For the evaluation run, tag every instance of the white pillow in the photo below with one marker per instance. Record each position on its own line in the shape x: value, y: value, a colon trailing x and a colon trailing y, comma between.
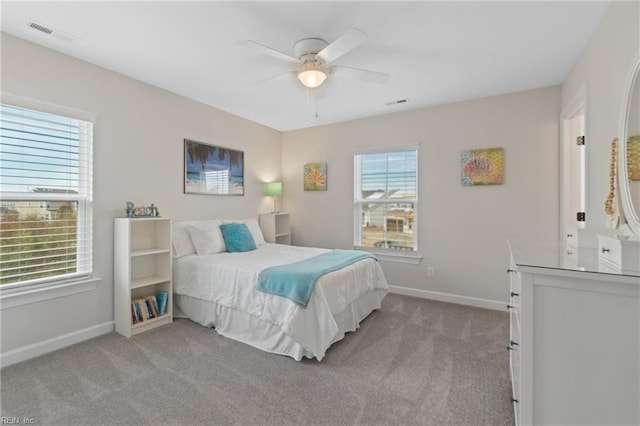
x: 181, y: 240
x: 206, y: 236
x: 254, y: 227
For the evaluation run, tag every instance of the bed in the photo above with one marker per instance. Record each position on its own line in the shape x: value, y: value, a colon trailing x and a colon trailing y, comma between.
x: 216, y: 288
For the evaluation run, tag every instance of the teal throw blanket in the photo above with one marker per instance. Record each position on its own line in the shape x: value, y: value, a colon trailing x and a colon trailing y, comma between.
x: 296, y: 281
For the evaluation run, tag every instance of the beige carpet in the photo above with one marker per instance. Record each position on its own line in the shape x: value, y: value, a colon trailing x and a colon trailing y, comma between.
x: 413, y: 362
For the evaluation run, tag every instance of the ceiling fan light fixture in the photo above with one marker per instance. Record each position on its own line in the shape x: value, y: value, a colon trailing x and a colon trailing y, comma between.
x: 312, y: 76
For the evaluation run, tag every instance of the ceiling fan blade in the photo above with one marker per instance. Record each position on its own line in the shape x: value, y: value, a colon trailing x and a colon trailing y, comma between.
x: 275, y: 78
x: 359, y: 74
x: 344, y: 44
x: 269, y: 51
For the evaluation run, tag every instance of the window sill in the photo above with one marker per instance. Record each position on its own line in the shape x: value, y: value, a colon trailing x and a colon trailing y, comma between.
x: 410, y: 258
x: 12, y: 298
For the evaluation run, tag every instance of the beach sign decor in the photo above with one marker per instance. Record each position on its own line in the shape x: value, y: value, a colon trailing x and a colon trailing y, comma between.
x: 212, y: 169
x: 482, y: 166
x: 315, y: 177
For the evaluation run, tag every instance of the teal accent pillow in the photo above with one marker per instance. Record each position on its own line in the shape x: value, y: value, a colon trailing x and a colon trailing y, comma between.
x: 237, y: 237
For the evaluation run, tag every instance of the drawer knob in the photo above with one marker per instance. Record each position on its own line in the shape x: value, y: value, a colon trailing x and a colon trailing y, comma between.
x: 514, y: 343
x: 605, y: 250
x: 509, y: 306
x: 514, y: 400
x: 510, y: 270
x: 513, y: 294
x: 569, y: 235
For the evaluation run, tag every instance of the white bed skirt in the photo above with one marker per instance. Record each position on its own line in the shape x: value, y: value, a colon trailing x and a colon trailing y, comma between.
x: 269, y: 337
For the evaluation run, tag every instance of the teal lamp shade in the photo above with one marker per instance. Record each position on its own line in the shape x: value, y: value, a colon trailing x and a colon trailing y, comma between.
x: 273, y: 189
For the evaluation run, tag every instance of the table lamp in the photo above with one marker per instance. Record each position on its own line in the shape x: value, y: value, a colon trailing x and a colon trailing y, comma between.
x: 273, y: 189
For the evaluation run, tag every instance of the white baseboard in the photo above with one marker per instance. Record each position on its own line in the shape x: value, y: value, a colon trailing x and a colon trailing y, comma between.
x: 448, y: 297
x: 50, y: 345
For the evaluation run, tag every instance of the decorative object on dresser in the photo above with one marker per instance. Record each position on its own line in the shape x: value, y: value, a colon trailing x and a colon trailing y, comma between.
x: 212, y: 170
x: 315, y: 177
x: 482, y: 166
x: 633, y: 157
x: 132, y: 211
x: 629, y: 152
x: 620, y: 252
x: 276, y: 227
x: 142, y: 274
x: 609, y: 208
x: 575, y: 337
x: 273, y: 189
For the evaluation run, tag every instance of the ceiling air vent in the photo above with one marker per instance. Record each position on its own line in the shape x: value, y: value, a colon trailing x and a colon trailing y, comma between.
x: 398, y: 102
x: 39, y: 27
x: 45, y: 29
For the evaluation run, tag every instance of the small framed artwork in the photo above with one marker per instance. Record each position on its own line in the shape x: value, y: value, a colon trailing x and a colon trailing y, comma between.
x: 212, y: 170
x: 482, y: 166
x: 315, y: 177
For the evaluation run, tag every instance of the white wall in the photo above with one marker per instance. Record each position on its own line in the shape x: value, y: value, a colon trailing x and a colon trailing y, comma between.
x: 603, y: 67
x: 138, y: 156
x: 462, y: 230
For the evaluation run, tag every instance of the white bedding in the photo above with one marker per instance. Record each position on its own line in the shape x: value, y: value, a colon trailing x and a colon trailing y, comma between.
x: 228, y: 282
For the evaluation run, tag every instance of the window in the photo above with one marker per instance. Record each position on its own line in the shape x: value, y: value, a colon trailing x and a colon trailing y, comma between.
x: 386, y: 197
x: 46, y: 190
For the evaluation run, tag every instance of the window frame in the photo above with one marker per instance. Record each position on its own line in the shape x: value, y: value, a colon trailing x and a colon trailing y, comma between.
x: 85, y: 220
x: 404, y: 256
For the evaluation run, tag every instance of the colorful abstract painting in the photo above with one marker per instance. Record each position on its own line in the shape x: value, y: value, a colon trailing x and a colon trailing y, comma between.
x: 633, y: 157
x: 482, y: 166
x: 315, y: 177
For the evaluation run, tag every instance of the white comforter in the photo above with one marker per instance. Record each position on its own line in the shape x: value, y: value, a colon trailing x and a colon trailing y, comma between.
x: 229, y: 279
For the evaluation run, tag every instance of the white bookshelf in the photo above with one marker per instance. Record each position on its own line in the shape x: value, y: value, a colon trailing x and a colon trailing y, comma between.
x: 276, y: 228
x: 142, y: 267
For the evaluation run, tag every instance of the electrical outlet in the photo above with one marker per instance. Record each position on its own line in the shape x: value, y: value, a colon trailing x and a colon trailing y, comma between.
x: 431, y: 271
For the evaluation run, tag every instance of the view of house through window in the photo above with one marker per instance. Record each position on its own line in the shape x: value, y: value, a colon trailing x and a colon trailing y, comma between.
x: 45, y: 188
x: 385, y: 200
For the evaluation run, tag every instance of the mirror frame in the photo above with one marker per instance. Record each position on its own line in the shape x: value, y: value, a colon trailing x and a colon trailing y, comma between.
x: 624, y: 191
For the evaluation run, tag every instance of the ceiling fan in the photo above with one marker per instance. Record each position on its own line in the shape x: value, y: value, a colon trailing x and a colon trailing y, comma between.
x: 314, y: 57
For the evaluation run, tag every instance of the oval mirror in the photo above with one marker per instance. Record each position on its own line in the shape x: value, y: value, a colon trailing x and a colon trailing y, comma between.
x: 629, y: 151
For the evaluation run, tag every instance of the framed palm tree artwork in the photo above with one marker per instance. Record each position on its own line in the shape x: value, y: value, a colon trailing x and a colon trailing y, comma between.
x: 212, y: 170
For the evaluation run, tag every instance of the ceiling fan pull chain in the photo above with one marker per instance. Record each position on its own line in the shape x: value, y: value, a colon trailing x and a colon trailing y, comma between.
x: 307, y: 109
x: 316, y: 100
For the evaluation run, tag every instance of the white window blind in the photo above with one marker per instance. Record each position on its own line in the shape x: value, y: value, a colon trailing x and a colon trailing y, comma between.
x: 386, y: 197
x: 46, y: 197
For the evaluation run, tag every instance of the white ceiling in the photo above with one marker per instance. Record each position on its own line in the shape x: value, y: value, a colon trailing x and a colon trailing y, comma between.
x: 436, y: 52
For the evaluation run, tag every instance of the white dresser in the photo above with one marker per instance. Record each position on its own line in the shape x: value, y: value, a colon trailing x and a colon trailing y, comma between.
x: 575, y: 337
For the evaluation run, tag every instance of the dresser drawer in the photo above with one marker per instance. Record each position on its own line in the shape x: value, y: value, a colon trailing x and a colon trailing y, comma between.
x: 514, y: 366
x: 571, y: 236
x: 609, y: 250
x: 514, y: 330
x: 572, y: 255
x: 619, y: 253
x: 581, y: 237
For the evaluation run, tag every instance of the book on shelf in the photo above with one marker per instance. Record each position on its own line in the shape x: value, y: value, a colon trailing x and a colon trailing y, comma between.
x: 144, y: 308
x: 136, y: 313
x: 152, y: 305
x: 147, y: 305
x: 134, y: 316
